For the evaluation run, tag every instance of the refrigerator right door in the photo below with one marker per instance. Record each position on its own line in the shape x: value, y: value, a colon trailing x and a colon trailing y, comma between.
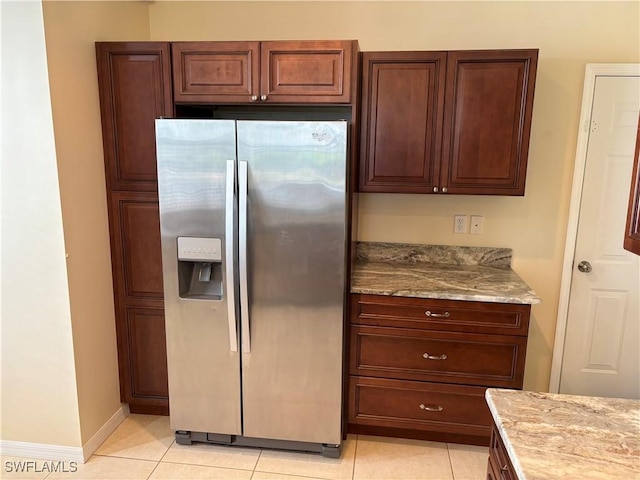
x: 292, y: 277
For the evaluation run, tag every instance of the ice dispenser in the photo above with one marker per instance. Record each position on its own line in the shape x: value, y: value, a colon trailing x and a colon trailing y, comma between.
x: 200, y: 268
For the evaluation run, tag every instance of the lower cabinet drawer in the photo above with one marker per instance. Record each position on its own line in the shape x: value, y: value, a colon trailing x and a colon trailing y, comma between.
x: 409, y: 354
x: 418, y: 406
x: 434, y: 314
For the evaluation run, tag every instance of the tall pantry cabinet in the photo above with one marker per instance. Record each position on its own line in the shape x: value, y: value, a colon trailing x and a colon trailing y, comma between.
x: 134, y: 82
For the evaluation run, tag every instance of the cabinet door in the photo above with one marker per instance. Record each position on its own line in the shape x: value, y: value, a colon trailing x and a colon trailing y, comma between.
x: 488, y: 103
x: 134, y: 80
x: 216, y: 72
x: 135, y: 245
x: 402, y: 103
x: 306, y: 71
x: 137, y: 277
x: 632, y: 233
x: 146, y: 360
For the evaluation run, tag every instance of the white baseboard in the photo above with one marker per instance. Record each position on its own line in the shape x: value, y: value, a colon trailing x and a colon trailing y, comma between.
x: 45, y: 451
x: 105, y: 431
x: 42, y: 451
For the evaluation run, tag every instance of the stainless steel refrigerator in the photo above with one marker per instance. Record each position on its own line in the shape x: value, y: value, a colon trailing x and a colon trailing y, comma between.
x: 253, y: 219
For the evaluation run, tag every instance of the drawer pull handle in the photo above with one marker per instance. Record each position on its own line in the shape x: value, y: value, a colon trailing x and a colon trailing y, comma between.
x: 505, y: 468
x: 433, y: 357
x: 429, y: 313
x: 431, y: 409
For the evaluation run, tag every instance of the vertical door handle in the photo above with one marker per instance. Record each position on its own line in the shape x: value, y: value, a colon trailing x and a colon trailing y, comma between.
x: 229, y: 240
x: 242, y: 240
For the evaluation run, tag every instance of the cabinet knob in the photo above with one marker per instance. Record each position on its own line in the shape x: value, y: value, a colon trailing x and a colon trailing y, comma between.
x: 444, y: 189
x: 254, y: 98
x: 263, y: 98
x: 435, y: 189
x: 436, y: 408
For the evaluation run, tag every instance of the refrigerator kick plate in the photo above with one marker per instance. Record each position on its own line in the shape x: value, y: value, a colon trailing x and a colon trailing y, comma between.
x: 187, y: 438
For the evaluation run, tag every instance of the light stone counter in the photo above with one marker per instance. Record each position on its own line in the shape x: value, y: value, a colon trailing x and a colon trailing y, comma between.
x: 566, y: 437
x: 439, y: 271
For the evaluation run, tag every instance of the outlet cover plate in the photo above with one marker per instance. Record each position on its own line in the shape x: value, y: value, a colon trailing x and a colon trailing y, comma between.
x: 459, y: 224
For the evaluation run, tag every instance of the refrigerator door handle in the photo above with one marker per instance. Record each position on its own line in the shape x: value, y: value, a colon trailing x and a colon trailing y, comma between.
x: 229, y: 247
x: 242, y: 239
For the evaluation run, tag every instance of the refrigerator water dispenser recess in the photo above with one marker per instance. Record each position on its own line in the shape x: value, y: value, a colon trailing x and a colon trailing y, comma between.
x: 200, y: 268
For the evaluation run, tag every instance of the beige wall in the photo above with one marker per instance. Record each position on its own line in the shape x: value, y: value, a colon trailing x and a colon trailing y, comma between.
x: 71, y: 29
x: 39, y: 402
x: 568, y: 34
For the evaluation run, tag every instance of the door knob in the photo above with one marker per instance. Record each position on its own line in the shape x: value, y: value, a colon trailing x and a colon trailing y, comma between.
x: 585, y: 267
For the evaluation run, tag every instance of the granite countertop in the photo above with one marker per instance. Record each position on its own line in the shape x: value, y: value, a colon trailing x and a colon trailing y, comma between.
x: 439, y: 271
x: 555, y: 436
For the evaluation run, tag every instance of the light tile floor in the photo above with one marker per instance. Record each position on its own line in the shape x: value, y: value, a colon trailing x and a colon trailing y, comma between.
x: 143, y: 447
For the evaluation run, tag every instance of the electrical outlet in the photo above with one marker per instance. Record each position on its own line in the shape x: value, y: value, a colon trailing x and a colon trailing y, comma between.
x: 476, y: 225
x: 459, y: 224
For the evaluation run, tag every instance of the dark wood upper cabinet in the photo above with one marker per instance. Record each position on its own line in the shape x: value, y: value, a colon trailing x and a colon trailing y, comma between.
x: 446, y: 122
x: 632, y: 232
x: 134, y: 81
x: 216, y: 72
x: 402, y: 101
x: 489, y: 100
x: 293, y: 72
x: 306, y: 72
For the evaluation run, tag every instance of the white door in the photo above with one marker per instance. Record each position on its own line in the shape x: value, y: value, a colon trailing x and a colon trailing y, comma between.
x: 602, y: 341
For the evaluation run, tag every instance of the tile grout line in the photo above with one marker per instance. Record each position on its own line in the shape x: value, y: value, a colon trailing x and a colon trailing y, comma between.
x: 453, y: 475
x: 355, y: 456
x: 120, y: 456
x: 163, y: 455
x: 152, y: 471
x: 256, y: 465
x: 235, y: 469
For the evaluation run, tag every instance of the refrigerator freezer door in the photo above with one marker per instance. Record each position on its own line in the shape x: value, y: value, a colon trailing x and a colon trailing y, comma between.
x: 296, y: 220
x: 195, y: 160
